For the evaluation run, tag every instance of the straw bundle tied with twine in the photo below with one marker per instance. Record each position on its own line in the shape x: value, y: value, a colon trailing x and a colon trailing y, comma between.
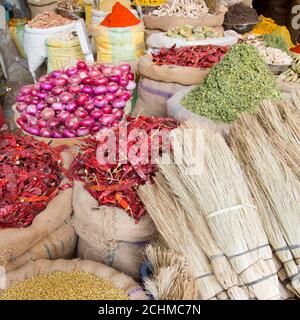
x: 221, y: 266
x: 272, y: 117
x: 169, y: 218
x: 275, y: 189
x: 171, y: 278
x: 222, y: 195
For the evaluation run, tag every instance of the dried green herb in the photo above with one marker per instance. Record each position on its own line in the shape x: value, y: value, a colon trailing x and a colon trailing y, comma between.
x: 275, y: 41
x: 238, y: 83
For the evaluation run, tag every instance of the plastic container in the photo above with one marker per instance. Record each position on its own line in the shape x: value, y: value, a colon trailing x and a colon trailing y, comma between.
x: 16, y: 29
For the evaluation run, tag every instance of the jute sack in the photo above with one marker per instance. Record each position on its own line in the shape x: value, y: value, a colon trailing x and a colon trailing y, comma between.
x: 40, y: 267
x: 111, y: 232
x: 165, y: 23
x: 177, y: 111
x: 15, y: 242
x: 59, y: 244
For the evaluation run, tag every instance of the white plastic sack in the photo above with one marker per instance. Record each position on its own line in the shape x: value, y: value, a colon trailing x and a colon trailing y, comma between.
x: 161, y: 40
x: 35, y: 44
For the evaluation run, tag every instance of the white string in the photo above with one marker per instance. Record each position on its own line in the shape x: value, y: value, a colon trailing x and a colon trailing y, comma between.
x: 230, y: 209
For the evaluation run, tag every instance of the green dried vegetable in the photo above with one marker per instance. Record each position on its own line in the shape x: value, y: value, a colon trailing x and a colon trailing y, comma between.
x: 275, y: 41
x: 238, y: 83
x: 191, y: 33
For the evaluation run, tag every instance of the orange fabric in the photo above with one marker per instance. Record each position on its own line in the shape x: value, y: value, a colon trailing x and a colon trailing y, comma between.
x: 120, y: 17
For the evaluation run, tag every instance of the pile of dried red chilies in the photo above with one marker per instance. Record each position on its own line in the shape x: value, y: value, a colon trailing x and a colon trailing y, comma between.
x: 30, y: 174
x: 192, y: 56
x: 114, y: 183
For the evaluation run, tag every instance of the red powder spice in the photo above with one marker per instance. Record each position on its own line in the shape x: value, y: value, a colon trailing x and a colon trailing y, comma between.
x: 296, y: 49
x: 120, y: 17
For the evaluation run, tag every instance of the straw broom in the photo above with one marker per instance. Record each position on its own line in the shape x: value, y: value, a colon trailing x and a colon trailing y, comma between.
x: 280, y: 134
x: 275, y: 189
x: 222, y: 268
x: 171, y: 278
x: 169, y: 218
x: 222, y: 194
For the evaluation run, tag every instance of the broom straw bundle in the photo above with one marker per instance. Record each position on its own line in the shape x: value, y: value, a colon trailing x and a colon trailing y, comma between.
x: 280, y: 134
x: 275, y: 189
x: 171, y: 278
x: 222, y: 194
x: 169, y: 218
x: 222, y: 268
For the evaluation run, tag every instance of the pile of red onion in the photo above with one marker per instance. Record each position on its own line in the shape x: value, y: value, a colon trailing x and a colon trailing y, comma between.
x: 75, y: 102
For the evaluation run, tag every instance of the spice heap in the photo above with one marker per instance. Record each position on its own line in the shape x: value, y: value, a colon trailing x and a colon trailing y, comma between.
x: 275, y: 41
x: 296, y: 49
x: 74, y: 285
x: 30, y: 174
x: 240, y: 14
x: 48, y: 20
x: 120, y: 17
x: 265, y: 26
x: 192, y: 56
x: 182, y: 8
x: 238, y: 83
x: 113, y: 182
x: 75, y: 102
x: 191, y: 33
x: 275, y: 56
x: 71, y: 5
x: 293, y: 73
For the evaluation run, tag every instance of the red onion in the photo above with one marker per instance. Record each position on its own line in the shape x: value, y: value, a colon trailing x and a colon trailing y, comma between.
x: 46, y: 133
x: 83, y: 74
x: 57, y: 134
x: 81, y: 113
x: 42, y: 95
x: 47, y: 86
x: 31, y: 109
x: 118, y: 103
x: 65, y: 97
x: 81, y: 65
x: 124, y: 82
x: 107, y: 119
x: 74, y: 80
x: 63, y: 115
x: 130, y: 76
x: 42, y: 123
x: 109, y: 97
x: 37, y: 86
x: 51, y: 99
x: 117, y: 72
x: 87, y: 89
x: 27, y: 99
x: 82, y: 131
x: 20, y: 122
x: 35, y: 131
x: 87, y: 81
x: 21, y: 106
x: 26, y: 89
x: 112, y: 87
x: 41, y: 106
x: 57, y: 106
x: 99, y: 101
x: 131, y: 85
x: 89, y: 106
x: 47, y: 114
x: 87, y: 122
x: 25, y: 116
x: 69, y: 133
x: 96, y: 128
x: 125, y: 96
x: 105, y: 70
x: 119, y: 92
x: 57, y: 91
x: 32, y: 121
x: 115, y: 124
x: 94, y: 74
x: 125, y: 68
x: 20, y: 98
x: 53, y: 123
x: 55, y: 73
x: 96, y: 114
x: 82, y: 98
x: 43, y: 78
x: 71, y: 106
x: 74, y: 88
x: 100, y: 90
x: 60, y: 82
x: 107, y: 110
x: 101, y: 82
x: 72, y: 123
x: 35, y: 100
x: 114, y: 78
x: 33, y: 92
x: 71, y: 71
x: 118, y: 114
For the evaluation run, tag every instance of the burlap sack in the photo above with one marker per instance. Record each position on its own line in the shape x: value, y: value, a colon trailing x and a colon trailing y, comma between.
x: 186, y: 76
x: 15, y: 242
x: 165, y: 23
x: 178, y: 112
x: 59, y: 244
x: 109, y: 230
x: 288, y: 86
x: 40, y: 267
x: 153, y: 96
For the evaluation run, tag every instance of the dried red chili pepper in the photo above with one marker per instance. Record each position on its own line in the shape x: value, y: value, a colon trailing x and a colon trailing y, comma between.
x: 191, y: 56
x: 30, y: 174
x: 114, y: 184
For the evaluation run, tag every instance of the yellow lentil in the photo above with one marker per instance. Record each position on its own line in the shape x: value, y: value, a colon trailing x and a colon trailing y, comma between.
x: 265, y: 26
x: 74, y: 285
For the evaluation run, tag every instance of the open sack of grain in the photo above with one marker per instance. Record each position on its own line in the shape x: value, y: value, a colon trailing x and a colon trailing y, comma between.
x: 68, y: 280
x: 36, y: 216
